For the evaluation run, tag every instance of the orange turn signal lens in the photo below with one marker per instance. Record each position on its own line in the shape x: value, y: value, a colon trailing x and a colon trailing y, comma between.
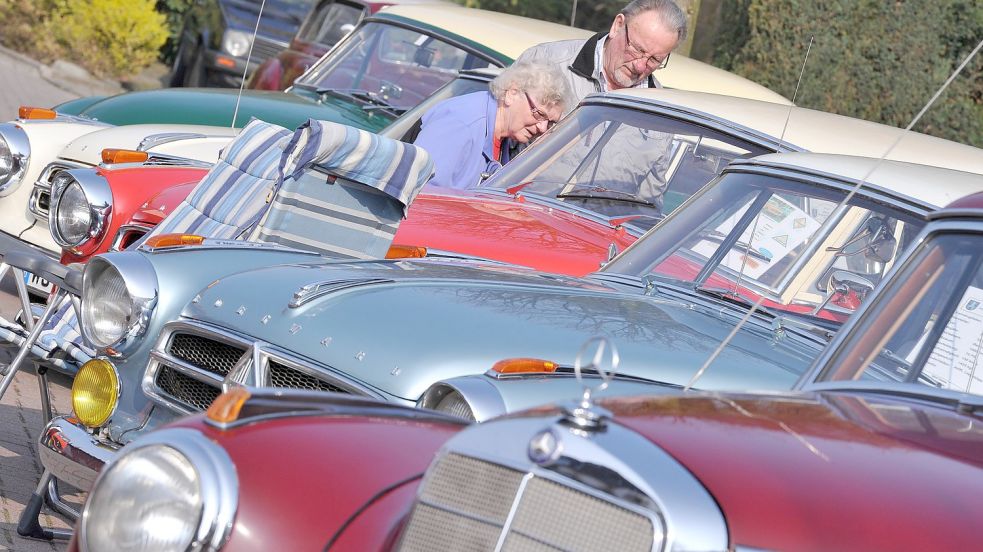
x: 225, y: 409
x: 174, y: 240
x: 225, y: 62
x: 111, y: 156
x: 524, y: 366
x: 28, y: 112
x: 406, y: 252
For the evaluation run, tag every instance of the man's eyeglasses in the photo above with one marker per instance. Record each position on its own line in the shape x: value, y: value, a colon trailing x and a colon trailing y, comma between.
x: 539, y: 114
x: 635, y: 53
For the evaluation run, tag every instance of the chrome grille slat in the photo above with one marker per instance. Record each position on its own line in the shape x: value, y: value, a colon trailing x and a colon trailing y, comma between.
x: 464, y: 505
x: 263, y: 49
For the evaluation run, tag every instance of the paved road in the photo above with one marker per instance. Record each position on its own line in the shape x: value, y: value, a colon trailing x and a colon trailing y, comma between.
x: 24, y: 85
x: 20, y: 413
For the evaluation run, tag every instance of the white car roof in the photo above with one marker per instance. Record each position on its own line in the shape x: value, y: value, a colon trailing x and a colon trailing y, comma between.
x: 933, y: 185
x: 823, y: 132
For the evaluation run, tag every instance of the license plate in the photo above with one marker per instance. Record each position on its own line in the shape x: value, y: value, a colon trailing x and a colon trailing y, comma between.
x: 37, y: 284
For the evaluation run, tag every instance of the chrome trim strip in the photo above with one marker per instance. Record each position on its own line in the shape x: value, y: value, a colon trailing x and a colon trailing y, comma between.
x: 72, y: 454
x: 219, y: 484
x: 20, y: 149
x: 310, y: 292
x: 166, y: 138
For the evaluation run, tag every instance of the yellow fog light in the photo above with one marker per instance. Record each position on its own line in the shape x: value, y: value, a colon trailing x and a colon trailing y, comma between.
x: 95, y: 392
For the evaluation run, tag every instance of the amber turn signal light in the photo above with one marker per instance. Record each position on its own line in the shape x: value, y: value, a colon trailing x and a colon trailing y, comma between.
x: 111, y: 156
x: 173, y: 240
x: 225, y: 409
x: 406, y: 252
x: 28, y: 112
x: 524, y: 366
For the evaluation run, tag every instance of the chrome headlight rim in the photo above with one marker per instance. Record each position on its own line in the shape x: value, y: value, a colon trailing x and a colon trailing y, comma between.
x: 20, y: 149
x: 217, y: 478
x: 483, y: 400
x: 236, y: 43
x: 140, y: 280
x: 99, y: 196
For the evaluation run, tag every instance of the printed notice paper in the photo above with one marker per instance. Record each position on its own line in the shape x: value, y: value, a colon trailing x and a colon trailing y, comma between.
x: 953, y: 364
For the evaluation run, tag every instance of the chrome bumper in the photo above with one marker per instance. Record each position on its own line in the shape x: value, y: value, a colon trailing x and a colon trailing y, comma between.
x: 72, y: 454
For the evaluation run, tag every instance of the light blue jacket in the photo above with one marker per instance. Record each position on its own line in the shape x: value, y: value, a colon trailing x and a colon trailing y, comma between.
x: 458, y: 135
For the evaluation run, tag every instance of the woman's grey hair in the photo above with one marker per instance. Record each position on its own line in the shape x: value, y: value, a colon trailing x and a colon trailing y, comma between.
x: 672, y: 15
x: 546, y: 84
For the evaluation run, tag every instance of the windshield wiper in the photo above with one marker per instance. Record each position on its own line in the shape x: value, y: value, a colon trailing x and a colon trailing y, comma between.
x: 731, y: 297
x: 588, y: 192
x: 371, y: 98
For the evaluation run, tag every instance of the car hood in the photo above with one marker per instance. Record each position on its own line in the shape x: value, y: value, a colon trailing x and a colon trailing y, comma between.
x: 163, y: 203
x: 401, y: 326
x: 204, y: 142
x: 215, y: 107
x: 828, y: 471
x: 509, y: 229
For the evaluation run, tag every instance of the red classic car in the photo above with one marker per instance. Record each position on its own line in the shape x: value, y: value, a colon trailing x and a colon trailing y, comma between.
x: 880, y: 447
x: 574, y: 199
x: 325, y: 25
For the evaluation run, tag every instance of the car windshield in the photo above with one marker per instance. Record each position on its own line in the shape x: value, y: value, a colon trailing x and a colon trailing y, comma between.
x: 749, y: 235
x: 622, y: 162
x: 392, y: 64
x: 928, y: 329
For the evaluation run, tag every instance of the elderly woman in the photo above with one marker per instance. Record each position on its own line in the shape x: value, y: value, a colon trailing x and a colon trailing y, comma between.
x: 473, y: 134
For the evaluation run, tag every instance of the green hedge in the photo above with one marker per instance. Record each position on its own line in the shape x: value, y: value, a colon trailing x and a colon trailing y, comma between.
x: 871, y: 59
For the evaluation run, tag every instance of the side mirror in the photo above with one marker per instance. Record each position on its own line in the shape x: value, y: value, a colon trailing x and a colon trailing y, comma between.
x: 882, y: 245
x: 847, y: 285
x: 423, y: 57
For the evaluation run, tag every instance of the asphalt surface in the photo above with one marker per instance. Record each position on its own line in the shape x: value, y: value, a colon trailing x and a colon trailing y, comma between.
x: 20, y: 411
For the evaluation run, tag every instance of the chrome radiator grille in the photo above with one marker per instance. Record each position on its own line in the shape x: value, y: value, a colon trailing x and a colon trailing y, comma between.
x: 194, y: 363
x: 466, y: 503
x: 264, y: 49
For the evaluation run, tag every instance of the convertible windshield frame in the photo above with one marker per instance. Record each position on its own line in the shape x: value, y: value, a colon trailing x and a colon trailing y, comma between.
x: 665, y: 240
x: 860, y: 348
x: 450, y: 39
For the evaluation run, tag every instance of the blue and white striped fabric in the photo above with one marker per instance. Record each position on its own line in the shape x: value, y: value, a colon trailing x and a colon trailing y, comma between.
x: 236, y: 189
x: 344, y: 191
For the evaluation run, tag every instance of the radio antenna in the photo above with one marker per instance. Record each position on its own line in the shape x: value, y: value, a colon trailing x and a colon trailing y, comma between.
x: 245, y: 69
x: 795, y: 94
x: 723, y: 344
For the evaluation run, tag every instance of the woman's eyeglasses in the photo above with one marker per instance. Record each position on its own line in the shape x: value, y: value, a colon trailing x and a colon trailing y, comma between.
x: 539, y: 114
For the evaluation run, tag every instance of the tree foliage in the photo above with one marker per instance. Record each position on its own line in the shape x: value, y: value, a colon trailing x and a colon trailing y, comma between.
x: 870, y: 59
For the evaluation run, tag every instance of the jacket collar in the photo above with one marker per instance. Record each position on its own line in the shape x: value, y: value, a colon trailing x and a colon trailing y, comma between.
x: 583, y: 64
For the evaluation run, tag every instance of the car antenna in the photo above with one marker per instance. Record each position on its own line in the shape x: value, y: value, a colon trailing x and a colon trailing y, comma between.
x: 713, y: 356
x: 795, y: 94
x: 245, y: 69
x: 781, y: 139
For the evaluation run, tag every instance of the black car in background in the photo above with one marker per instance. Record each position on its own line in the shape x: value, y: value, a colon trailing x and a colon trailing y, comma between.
x: 217, y: 34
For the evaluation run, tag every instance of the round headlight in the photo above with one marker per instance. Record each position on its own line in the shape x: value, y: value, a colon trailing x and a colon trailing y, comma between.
x: 454, y: 404
x: 95, y: 392
x: 149, y: 500
x: 106, y: 308
x: 7, y: 163
x: 236, y: 43
x: 119, y: 294
x: 73, y: 215
x: 172, y: 489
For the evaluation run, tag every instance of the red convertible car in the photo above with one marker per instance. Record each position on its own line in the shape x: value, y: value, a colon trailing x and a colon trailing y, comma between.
x: 879, y: 447
x: 575, y: 198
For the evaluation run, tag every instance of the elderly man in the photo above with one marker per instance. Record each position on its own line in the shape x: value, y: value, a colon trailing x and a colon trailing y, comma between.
x: 639, y: 42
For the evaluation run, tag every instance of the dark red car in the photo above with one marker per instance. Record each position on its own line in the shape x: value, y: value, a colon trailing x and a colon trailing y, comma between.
x: 880, y: 447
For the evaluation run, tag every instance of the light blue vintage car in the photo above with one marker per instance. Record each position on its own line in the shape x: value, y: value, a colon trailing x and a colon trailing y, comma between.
x: 179, y: 324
